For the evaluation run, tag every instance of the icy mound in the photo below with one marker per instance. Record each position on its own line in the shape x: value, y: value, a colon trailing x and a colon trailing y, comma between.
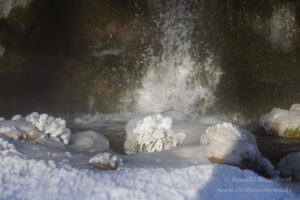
x: 89, y: 140
x: 106, y: 161
x: 290, y: 166
x: 282, y: 122
x: 229, y: 144
x: 150, y: 134
x: 54, y: 127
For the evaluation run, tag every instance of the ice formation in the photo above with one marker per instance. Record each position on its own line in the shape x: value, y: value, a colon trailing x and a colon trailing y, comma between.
x: 55, y: 127
x: 290, y: 166
x: 278, y: 121
x: 89, y: 140
x: 39, y: 128
x: 229, y: 144
x: 150, y: 134
x: 106, y: 161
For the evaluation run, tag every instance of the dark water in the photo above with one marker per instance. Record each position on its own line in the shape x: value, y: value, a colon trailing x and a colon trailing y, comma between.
x: 74, y: 56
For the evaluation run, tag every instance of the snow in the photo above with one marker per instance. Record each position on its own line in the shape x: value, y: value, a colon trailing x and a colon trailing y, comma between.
x: 23, y: 177
x: 57, y: 171
x: 290, y: 165
x: 229, y: 143
x: 150, y: 134
x: 279, y: 120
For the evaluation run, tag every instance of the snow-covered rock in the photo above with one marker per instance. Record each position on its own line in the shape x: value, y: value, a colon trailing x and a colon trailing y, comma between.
x: 89, y: 140
x: 282, y: 122
x: 150, y: 134
x: 229, y: 144
x: 290, y: 166
x: 106, y: 161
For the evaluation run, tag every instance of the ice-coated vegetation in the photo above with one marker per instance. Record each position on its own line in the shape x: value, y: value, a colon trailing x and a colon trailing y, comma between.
x: 89, y: 141
x: 55, y: 127
x: 290, y: 166
x: 150, y: 134
x: 282, y: 122
x: 39, y: 128
x: 229, y: 144
x: 106, y: 161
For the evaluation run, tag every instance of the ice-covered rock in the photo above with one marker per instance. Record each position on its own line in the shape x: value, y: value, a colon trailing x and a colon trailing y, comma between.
x: 230, y: 144
x: 266, y: 168
x: 12, y: 132
x: 150, y: 134
x: 282, y: 122
x: 290, y: 166
x: 106, y: 161
x: 54, y: 127
x: 89, y: 140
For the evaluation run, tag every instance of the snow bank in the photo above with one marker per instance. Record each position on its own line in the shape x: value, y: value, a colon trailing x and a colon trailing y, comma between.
x: 290, y: 166
x: 150, y: 134
x: 229, y: 144
x: 278, y: 121
x: 106, y: 161
x: 89, y: 140
x: 37, y: 179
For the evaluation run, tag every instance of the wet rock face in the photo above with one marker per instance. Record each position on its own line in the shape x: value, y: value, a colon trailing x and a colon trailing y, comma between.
x: 75, y: 55
x: 84, y: 55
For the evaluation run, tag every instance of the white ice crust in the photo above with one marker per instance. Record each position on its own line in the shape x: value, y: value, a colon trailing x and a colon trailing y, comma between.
x: 229, y: 143
x: 279, y: 120
x: 150, y: 134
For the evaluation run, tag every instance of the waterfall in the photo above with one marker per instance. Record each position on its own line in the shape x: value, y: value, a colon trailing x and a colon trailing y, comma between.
x: 175, y: 79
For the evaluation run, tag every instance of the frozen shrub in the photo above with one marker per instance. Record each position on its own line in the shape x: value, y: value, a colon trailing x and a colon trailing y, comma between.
x: 106, y: 161
x: 229, y: 144
x: 54, y: 127
x: 150, y: 134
